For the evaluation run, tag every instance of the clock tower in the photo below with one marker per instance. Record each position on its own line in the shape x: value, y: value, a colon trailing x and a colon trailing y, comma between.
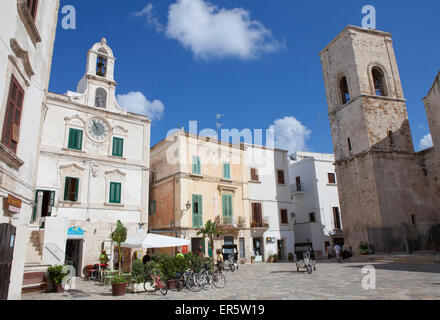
x: 97, y: 87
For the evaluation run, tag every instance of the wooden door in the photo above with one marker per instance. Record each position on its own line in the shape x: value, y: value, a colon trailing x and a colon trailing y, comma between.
x: 7, y: 243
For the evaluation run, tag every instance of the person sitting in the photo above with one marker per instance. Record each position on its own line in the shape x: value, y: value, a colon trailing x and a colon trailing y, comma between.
x: 220, y: 262
x: 146, y: 259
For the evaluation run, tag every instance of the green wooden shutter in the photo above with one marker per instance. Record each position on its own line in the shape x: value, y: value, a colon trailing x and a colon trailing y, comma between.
x: 75, y: 139
x: 115, y: 192
x: 226, y: 170
x: 66, y: 189
x: 227, y: 208
x: 196, y: 166
x: 118, y: 147
x: 197, y: 211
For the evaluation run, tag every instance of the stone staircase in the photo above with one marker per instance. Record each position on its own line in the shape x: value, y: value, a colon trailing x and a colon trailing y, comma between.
x: 34, y: 277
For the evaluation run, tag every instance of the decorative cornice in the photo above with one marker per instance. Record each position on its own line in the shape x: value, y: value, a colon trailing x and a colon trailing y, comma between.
x: 74, y: 165
x: 117, y: 171
x: 28, y: 21
x: 8, y: 157
x: 23, y: 55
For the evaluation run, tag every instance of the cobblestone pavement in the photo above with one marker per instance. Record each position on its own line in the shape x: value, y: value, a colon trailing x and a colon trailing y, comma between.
x: 281, y: 281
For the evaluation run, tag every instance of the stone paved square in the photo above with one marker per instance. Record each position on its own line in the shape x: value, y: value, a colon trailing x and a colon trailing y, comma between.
x: 281, y: 281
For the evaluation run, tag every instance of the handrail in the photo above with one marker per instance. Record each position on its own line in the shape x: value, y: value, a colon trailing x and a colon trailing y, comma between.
x: 54, y: 246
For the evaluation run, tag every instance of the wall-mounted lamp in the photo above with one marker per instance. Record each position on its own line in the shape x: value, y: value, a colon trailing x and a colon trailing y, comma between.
x: 187, y: 207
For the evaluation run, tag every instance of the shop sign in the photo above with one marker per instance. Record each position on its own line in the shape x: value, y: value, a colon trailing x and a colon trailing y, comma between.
x: 75, y: 233
x: 12, y: 204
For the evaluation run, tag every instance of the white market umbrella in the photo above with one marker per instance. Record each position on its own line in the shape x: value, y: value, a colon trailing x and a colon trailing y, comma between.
x: 151, y: 240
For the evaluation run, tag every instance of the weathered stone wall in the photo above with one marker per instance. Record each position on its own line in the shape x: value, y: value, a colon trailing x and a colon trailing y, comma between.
x: 432, y: 106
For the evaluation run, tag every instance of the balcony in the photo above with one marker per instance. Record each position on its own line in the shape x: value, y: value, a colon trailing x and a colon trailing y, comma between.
x: 297, y: 188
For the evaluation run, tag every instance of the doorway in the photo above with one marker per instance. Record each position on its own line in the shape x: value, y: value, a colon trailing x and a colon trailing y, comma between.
x: 7, y: 243
x: 281, y: 250
x: 197, y: 243
x: 74, y: 255
x: 44, y: 200
x: 258, y: 249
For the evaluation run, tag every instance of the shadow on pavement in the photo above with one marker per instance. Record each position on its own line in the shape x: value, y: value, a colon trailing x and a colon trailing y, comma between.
x: 396, y: 266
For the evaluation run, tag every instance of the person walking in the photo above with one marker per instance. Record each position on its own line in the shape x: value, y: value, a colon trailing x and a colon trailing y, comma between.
x: 329, y: 252
x: 338, y: 250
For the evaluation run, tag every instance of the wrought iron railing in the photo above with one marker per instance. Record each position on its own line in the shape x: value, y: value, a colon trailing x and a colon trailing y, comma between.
x: 297, y: 188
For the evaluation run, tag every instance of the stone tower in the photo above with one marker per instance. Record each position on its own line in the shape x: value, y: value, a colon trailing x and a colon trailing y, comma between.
x: 381, y: 179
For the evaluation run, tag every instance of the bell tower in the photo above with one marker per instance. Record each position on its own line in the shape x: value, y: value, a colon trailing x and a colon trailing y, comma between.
x: 370, y: 131
x: 98, y: 85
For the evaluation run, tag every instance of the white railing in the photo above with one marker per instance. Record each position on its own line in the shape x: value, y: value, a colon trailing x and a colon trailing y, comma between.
x: 56, y: 252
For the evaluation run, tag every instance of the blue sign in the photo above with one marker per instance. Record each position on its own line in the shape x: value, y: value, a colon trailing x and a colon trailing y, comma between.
x: 75, y: 232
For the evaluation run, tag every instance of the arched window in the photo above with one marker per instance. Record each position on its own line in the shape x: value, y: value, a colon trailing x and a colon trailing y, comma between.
x: 101, y: 98
x: 379, y: 81
x: 101, y: 66
x: 343, y: 88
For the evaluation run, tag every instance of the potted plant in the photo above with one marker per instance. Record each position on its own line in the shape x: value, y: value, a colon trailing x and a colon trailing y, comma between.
x: 119, y: 284
x: 291, y: 257
x: 253, y: 259
x: 364, y: 248
x: 57, y: 275
x: 270, y: 258
x: 275, y: 258
x: 137, y: 276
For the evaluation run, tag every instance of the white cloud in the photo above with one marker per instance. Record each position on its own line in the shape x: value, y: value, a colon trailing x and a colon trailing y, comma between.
x: 210, y: 32
x: 289, y: 134
x: 136, y: 102
x: 152, y: 19
x: 426, y: 142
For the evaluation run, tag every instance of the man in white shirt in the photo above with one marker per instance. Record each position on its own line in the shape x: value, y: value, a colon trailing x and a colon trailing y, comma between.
x: 338, y: 250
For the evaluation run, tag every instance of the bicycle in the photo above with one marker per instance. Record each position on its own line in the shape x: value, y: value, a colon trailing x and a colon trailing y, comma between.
x: 205, y: 278
x: 157, y: 284
x: 188, y: 280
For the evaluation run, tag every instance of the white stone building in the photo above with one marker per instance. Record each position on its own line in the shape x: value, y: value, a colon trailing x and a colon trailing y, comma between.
x: 315, y: 201
x: 93, y: 169
x: 27, y: 35
x: 269, y: 203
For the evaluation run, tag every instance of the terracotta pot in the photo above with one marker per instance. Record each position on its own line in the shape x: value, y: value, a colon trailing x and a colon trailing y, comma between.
x: 119, y: 289
x: 172, y: 284
x: 58, y: 288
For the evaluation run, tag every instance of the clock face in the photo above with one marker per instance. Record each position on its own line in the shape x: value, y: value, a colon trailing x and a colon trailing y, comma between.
x: 98, y: 129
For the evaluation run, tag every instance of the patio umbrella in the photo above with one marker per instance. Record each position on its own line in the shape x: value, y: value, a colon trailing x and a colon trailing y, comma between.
x: 151, y: 240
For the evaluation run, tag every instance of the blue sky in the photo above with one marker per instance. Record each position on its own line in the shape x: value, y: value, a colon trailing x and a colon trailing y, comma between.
x: 277, y: 74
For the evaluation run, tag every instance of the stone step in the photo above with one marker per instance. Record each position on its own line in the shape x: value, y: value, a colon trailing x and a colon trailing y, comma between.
x: 34, y: 281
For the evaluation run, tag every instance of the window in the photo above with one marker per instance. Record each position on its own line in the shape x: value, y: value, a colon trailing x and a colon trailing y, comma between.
x: 33, y: 6
x: 196, y: 166
x: 257, y: 216
x: 75, y: 139
x: 115, y: 192
x: 280, y: 174
x: 378, y: 81
x: 254, y: 175
x: 391, y: 138
x: 101, y: 66
x: 349, y: 145
x: 118, y: 147
x: 331, y: 178
x: 197, y: 211
x: 312, y: 217
x: 227, y: 171
x: 11, y: 126
x: 284, y: 219
x: 242, y: 249
x: 152, y: 208
x: 343, y: 87
x: 337, y: 218
x: 227, y: 209
x: 71, y: 187
x: 100, y: 98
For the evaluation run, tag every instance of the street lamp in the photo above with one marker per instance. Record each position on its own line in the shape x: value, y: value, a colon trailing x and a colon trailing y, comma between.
x: 187, y: 207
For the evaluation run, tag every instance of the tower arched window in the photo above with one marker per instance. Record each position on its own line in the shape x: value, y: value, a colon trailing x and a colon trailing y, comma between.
x: 379, y: 81
x: 101, y: 98
x: 101, y: 66
x: 343, y: 88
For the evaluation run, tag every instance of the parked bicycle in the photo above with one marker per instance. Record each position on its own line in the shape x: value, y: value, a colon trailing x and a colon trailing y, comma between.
x: 156, y: 283
x: 188, y: 280
x: 205, y: 278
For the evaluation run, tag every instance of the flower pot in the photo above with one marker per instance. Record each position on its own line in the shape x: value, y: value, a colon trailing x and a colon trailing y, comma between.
x: 172, y: 284
x: 364, y: 253
x: 58, y: 288
x: 119, y: 289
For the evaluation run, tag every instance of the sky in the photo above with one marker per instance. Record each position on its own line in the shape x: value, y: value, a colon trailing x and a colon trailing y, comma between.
x: 255, y: 62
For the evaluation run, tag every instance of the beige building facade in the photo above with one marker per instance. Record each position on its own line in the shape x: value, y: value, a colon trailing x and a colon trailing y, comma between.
x: 382, y: 180
x: 196, y: 179
x: 27, y: 35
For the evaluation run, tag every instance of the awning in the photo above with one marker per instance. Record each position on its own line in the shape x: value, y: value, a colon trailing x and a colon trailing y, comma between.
x: 151, y: 240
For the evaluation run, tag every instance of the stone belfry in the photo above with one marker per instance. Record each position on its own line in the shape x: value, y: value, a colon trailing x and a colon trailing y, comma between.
x: 381, y: 179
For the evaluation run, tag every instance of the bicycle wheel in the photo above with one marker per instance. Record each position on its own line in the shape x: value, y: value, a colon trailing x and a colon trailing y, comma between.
x: 192, y: 284
x: 180, y: 285
x: 148, y: 286
x: 219, y: 280
x: 163, y: 287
